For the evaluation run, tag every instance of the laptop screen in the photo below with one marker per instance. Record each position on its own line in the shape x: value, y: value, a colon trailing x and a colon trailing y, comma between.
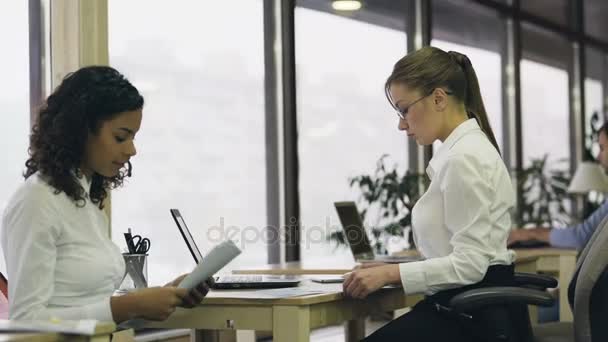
x: 353, y: 228
x: 181, y: 224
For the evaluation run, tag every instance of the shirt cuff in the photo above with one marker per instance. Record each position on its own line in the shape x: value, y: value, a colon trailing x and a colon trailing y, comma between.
x: 101, y: 311
x: 562, y: 238
x: 413, y: 277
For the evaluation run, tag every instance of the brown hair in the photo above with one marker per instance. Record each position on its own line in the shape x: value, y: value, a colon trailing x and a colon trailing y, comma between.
x: 430, y: 68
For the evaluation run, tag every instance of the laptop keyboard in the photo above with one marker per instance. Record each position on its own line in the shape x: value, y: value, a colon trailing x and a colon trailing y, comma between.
x: 241, y: 279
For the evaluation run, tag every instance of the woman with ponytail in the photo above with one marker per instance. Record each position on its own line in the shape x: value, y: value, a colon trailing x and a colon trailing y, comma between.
x: 60, y: 260
x: 462, y: 222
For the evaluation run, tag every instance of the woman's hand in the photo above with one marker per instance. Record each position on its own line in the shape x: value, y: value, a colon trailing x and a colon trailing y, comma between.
x: 154, y: 303
x: 525, y: 234
x: 195, y: 296
x: 361, y: 282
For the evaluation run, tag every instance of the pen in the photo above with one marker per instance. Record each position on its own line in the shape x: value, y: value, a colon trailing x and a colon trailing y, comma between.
x: 129, y: 240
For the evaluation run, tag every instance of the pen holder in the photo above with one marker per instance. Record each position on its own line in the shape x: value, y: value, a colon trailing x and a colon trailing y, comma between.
x: 136, y: 272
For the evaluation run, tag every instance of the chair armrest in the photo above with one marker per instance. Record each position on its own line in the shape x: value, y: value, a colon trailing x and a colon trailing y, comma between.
x: 479, y: 298
x: 538, y: 281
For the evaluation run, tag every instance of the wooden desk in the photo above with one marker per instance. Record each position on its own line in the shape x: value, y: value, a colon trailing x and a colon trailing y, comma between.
x: 103, y: 333
x: 523, y: 263
x: 289, y: 319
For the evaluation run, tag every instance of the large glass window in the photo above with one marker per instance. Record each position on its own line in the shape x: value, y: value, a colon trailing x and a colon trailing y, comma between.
x: 201, y: 147
x: 345, y: 122
x: 594, y: 103
x: 14, y: 99
x: 544, y: 95
x: 480, y: 41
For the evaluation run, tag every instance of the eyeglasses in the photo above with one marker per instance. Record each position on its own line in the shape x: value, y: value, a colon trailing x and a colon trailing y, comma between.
x: 401, y: 113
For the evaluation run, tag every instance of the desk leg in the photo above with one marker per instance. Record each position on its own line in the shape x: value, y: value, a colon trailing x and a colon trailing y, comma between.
x: 567, y: 266
x: 290, y: 323
x: 200, y: 335
x: 354, y: 330
x: 529, y: 267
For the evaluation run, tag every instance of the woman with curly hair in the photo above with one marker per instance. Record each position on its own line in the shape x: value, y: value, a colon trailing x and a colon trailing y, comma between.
x: 60, y: 260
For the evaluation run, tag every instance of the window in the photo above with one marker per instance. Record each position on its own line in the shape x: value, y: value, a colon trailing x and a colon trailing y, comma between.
x: 544, y: 96
x: 593, y: 97
x: 201, y: 147
x: 345, y: 122
x: 480, y: 41
x: 14, y: 99
x: 556, y: 11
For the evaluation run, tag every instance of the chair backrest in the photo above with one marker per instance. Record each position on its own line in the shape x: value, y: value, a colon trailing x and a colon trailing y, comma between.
x: 589, y: 288
x: 579, y: 261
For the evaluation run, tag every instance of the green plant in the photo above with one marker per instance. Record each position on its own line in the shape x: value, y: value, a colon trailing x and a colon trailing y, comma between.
x: 544, y: 196
x: 385, y: 202
x: 594, y: 199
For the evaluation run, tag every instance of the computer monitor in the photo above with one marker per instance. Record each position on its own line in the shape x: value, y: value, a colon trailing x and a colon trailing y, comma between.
x: 354, y: 230
x: 183, y: 228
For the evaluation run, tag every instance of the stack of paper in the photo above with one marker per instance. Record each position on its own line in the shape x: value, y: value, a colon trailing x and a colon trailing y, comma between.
x: 266, y: 293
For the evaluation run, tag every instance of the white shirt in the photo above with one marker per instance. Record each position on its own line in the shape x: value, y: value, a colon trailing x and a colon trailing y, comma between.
x: 60, y: 260
x: 462, y: 221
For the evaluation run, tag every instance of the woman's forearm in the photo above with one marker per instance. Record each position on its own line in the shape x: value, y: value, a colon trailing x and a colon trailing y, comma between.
x: 123, y: 308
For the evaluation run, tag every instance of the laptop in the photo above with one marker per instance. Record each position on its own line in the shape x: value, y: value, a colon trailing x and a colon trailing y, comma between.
x: 357, y: 239
x: 232, y: 281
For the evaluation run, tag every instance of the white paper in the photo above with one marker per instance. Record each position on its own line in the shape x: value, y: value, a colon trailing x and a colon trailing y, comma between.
x: 81, y: 327
x: 212, y: 263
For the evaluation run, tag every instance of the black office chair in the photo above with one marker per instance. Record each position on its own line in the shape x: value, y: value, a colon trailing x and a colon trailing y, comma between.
x: 587, y: 294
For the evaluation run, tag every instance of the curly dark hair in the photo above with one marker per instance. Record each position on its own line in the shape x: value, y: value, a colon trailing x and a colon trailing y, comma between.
x: 80, y: 104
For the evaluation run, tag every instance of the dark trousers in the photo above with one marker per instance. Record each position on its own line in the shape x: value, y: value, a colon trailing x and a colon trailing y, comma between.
x: 431, y: 319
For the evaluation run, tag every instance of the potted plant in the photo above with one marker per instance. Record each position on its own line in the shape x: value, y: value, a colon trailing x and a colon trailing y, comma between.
x: 385, y: 202
x: 544, y: 193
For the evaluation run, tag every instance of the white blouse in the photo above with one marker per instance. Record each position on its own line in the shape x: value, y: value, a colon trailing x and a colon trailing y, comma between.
x: 60, y: 260
x: 462, y: 221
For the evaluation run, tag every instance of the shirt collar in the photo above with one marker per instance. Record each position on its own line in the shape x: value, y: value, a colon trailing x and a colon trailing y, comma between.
x: 441, y: 154
x: 83, y: 181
